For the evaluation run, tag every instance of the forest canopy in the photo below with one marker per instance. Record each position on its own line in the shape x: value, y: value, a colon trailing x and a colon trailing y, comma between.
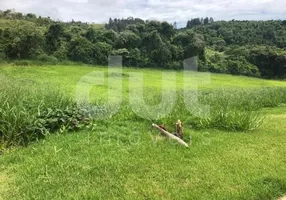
x: 251, y: 48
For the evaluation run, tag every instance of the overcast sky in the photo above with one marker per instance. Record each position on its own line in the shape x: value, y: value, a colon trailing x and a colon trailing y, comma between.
x: 99, y: 11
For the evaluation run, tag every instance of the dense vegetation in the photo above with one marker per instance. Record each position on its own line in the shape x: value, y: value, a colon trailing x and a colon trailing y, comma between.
x: 253, y: 48
x: 29, y: 112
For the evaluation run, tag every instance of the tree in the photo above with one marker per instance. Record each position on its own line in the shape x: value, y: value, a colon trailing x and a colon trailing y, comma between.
x: 22, y: 42
x: 91, y: 34
x: 206, y: 21
x: 108, y: 36
x: 195, y: 47
x: 53, y: 38
x: 128, y: 40
x: 167, y: 30
x: 101, y: 51
x: 152, y: 41
x: 161, y: 56
x: 81, y: 50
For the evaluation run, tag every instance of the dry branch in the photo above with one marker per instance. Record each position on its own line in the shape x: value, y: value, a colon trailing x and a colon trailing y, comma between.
x: 171, y: 136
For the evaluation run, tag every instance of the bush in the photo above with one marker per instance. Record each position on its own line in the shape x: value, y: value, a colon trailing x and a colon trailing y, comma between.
x: 61, y: 53
x: 215, y: 62
x: 29, y: 112
x: 239, y: 66
x: 81, y: 50
x: 22, y: 63
x: 3, y: 56
x: 48, y: 59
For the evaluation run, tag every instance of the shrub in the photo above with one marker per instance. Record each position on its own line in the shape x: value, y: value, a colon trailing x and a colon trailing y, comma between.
x: 22, y: 63
x: 3, y: 57
x: 240, y: 66
x: 48, y: 59
x: 28, y: 112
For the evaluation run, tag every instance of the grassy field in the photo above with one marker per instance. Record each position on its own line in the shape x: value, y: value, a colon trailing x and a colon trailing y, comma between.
x: 125, y: 158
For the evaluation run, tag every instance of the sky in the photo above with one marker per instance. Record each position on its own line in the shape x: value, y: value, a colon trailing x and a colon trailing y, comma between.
x: 99, y: 11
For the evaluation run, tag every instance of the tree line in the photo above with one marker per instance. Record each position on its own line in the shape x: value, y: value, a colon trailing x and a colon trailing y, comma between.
x: 252, y: 48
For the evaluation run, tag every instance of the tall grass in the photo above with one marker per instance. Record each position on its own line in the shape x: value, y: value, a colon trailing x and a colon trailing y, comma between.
x: 237, y: 109
x: 28, y: 111
x: 231, y: 109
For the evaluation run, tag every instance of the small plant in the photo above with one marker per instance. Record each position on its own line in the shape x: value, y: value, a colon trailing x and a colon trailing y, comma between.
x: 72, y: 118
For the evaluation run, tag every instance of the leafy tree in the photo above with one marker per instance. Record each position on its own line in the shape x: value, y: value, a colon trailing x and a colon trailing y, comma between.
x: 128, y: 40
x: 219, y: 44
x: 22, y: 42
x: 152, y: 41
x: 161, y: 56
x: 81, y: 50
x: 167, y: 30
x: 53, y: 37
x: 270, y: 61
x: 108, y: 36
x: 206, y: 21
x: 101, y: 51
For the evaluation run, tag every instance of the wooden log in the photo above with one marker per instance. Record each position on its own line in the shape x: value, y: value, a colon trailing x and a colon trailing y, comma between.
x: 171, y: 136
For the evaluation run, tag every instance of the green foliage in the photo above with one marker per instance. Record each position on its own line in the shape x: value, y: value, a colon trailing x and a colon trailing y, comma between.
x: 101, y: 51
x: 22, y: 42
x: 29, y: 112
x: 70, y: 119
x: 3, y: 56
x: 22, y: 63
x: 47, y: 59
x: 53, y: 37
x: 270, y: 61
x: 230, y: 109
x: 245, y: 32
x: 127, y: 39
x: 81, y: 50
x: 62, y: 53
x: 219, y: 44
x: 240, y: 66
x: 252, y: 48
x: 197, y: 21
x: 230, y: 63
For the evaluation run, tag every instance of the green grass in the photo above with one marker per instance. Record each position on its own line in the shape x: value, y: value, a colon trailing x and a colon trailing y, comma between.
x: 127, y: 159
x: 66, y: 77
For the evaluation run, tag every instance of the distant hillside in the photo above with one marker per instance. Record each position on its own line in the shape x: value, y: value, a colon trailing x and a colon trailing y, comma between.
x: 244, y: 33
x: 251, y: 48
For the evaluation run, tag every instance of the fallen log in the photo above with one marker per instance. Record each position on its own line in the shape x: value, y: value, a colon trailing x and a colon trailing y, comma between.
x: 169, y: 135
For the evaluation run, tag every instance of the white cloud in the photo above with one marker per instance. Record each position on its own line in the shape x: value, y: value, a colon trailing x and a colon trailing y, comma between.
x: 171, y: 10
